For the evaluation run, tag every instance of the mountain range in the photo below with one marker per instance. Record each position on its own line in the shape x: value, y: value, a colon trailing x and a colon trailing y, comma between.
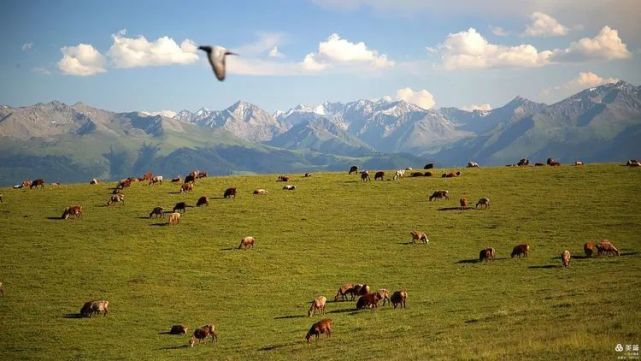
x: 78, y: 142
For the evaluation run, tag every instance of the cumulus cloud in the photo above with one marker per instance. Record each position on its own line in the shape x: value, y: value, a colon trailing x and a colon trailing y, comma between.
x: 470, y: 50
x: 582, y: 81
x: 421, y: 98
x: 544, y: 25
x: 81, y: 60
x: 27, y: 46
x: 274, y: 53
x: 337, y: 51
x: 480, y: 107
x: 139, y: 52
x: 605, y: 45
x: 498, y: 31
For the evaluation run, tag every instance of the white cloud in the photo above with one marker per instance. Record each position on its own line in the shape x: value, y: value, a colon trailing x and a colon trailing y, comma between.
x: 481, y: 107
x: 544, y: 25
x: 139, y: 52
x: 470, y: 50
x: 583, y: 81
x: 81, y: 60
x: 421, y: 98
x: 498, y: 31
x: 274, y: 53
x: 605, y: 45
x: 27, y: 46
x: 264, y: 43
x: 336, y: 51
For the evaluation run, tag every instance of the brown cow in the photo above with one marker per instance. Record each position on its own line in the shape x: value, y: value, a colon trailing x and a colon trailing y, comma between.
x: 230, y: 192
x: 451, y: 175
x: 487, y: 254
x: 282, y: 178
x: 178, y: 330
x: 26, y: 183
x: 521, y: 250
x: 565, y: 258
x: 463, y: 203
x: 552, y: 162
x: 360, y: 289
x: 203, y: 332
x: 439, y: 195
x: 419, y: 236
x: 37, y: 183
x: 589, y: 248
x: 116, y: 198
x: 633, y: 163
x: 124, y: 183
x: 181, y: 206
x: 379, y: 176
x: 523, y: 162
x: 483, y: 203
x: 322, y: 326
x: 260, y: 191
x: 190, y: 178
x: 75, y: 211
x: 202, y: 201
x: 318, y: 304
x: 1, y: 289
x: 247, y: 242
x: 307, y: 175
x: 174, y: 219
x: 344, y: 290
x: 369, y: 300
x: 176, y: 180
x: 399, y: 298
x: 353, y: 169
x: 187, y: 187
x: 417, y: 174
x: 606, y: 247
x: 94, y: 307
x: 365, y: 176
x: 427, y: 174
x: 383, y: 294
x: 157, y: 211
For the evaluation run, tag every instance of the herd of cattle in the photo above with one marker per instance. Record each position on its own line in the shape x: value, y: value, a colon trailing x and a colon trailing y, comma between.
x: 366, y: 298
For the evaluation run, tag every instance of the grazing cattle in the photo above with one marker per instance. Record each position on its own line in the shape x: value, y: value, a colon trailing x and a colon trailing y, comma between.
x: 399, y: 298
x: 181, y: 206
x: 174, y: 219
x: 472, y: 164
x: 203, y: 332
x: 176, y: 180
x: 94, y: 307
x: 429, y: 166
x: 187, y: 187
x: 633, y: 163
x: 521, y: 250
x: 115, y: 198
x: 156, y: 179
x: 37, y: 183
x: 578, y: 162
x: 419, y: 236
x: 417, y: 174
x: 190, y: 179
x: 147, y: 176
x: 322, y: 326
x: 307, y: 175
x: 353, y: 169
x: 202, y: 201
x: 369, y: 300
x: 93, y: 181
x: 484, y: 202
x: 538, y: 164
x: 451, y: 174
x: 379, y: 176
x: 1, y: 201
x: 56, y: 184
x: 75, y: 211
x: 487, y: 254
x: 589, y: 248
x: 201, y: 175
x: 523, y: 162
x: 157, y: 211
x: 427, y: 174
x: 282, y: 178
x: 383, y: 294
x: 399, y: 174
x: 365, y: 176
x: 1, y: 289
x: 606, y: 247
x: 178, y: 330
x: 260, y: 191
x: 318, y: 304
x: 552, y: 162
x: 463, y: 202
x: 124, y: 183
x: 565, y: 258
x: 343, y: 291
x: 360, y: 289
x: 289, y: 187
x: 247, y: 242
x: 439, y: 195
x: 26, y: 183
x: 230, y: 192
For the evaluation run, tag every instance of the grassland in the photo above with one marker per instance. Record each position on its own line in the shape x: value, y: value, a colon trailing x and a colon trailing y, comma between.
x: 332, y: 229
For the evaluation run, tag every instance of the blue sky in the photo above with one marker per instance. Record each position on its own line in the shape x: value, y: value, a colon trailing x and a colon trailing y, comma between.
x: 123, y: 55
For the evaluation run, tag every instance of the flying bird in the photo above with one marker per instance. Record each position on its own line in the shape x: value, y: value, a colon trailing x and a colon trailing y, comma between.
x: 216, y: 56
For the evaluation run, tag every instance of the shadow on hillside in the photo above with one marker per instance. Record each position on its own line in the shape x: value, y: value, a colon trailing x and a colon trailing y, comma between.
x: 229, y: 249
x: 288, y: 317
x: 72, y: 315
x: 160, y: 224
x: 545, y: 266
x: 169, y: 333
x: 176, y: 347
x: 629, y: 253
x: 344, y: 310
x: 466, y: 261
x: 277, y: 346
x: 411, y: 242
x: 55, y: 218
x: 456, y: 209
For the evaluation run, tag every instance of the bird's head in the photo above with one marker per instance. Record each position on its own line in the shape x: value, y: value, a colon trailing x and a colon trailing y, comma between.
x: 205, y: 48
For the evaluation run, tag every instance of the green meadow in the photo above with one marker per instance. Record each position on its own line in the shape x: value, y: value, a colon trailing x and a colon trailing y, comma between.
x: 332, y: 229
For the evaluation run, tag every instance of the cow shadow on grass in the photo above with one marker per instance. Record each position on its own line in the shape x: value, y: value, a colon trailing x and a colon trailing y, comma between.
x: 288, y: 317
x: 545, y: 266
x: 229, y: 248
x: 476, y: 260
x: 72, y: 315
x: 55, y: 218
x: 457, y: 209
x: 163, y: 224
x: 278, y: 346
x: 175, y: 347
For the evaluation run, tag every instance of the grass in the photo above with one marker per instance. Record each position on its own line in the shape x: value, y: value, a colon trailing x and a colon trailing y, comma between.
x: 332, y: 229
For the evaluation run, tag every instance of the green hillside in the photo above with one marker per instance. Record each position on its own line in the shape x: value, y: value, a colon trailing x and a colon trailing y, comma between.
x: 332, y: 229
